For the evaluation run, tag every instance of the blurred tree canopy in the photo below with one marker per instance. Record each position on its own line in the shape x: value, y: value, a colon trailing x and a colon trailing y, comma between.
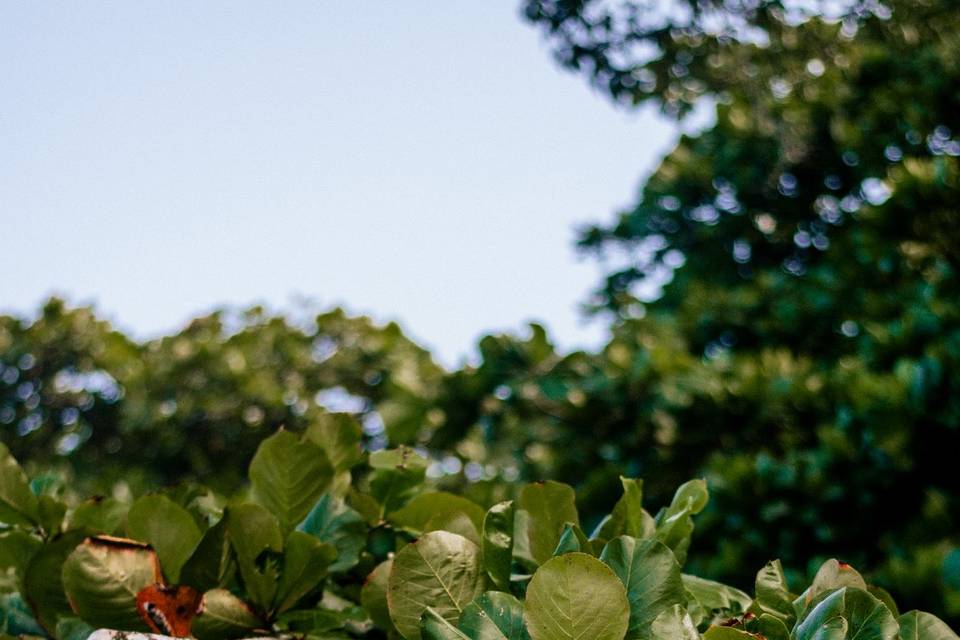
x: 803, y: 249
x: 783, y: 301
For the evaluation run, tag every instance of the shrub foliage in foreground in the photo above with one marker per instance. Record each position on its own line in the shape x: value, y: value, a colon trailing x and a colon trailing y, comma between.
x: 332, y: 543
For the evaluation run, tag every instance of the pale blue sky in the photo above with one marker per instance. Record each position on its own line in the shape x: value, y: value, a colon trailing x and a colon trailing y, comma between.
x: 419, y: 161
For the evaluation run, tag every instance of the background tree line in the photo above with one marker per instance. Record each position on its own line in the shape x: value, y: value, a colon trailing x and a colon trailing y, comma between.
x: 783, y: 303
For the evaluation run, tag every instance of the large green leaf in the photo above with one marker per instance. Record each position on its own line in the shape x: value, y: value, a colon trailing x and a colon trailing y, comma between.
x: 100, y: 515
x: 212, y: 563
x: 396, y: 473
x: 289, y: 476
x: 42, y: 579
x: 773, y: 597
x: 918, y: 625
x: 431, y: 511
x: 831, y: 575
x: 257, y: 540
x: 168, y: 528
x: 549, y: 506
x: 674, y: 524
x: 628, y: 516
x: 373, y: 595
x: 332, y: 521
x: 18, y: 504
x: 441, y: 570
x: 17, y: 548
x: 673, y: 624
x: 102, y: 578
x: 339, y: 434
x: 494, y: 616
x: 861, y: 615
x: 713, y: 601
x: 649, y: 571
x: 224, y: 616
x: 433, y: 626
x: 497, y: 545
x: 305, y: 563
x: 576, y: 596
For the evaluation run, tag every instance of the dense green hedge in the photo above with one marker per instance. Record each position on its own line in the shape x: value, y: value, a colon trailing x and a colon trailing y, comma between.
x: 328, y: 542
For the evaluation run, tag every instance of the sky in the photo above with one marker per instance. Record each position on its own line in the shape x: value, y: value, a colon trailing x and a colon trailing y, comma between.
x: 424, y: 162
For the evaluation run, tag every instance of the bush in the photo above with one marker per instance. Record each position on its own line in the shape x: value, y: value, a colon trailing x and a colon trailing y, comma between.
x: 332, y: 542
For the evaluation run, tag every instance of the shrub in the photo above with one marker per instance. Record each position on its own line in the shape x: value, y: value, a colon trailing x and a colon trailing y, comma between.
x: 331, y: 542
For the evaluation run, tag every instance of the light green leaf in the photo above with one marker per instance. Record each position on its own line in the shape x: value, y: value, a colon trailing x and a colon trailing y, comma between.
x: 441, y: 570
x: 434, y: 627
x: 727, y: 633
x: 339, y: 434
x: 772, y: 595
x: 18, y: 504
x: 431, y: 511
x: 258, y: 541
x: 396, y: 473
x: 712, y: 601
x: 651, y: 575
x: 494, y: 616
x: 332, y: 521
x: 305, y: 563
x: 771, y: 627
x: 289, y: 476
x: 100, y: 515
x: 674, y: 524
x: 673, y: 624
x: 549, y: 506
x: 168, y: 528
x: 831, y: 575
x: 373, y: 596
x: 224, y: 616
x: 498, y: 543
x: 576, y: 596
x: 918, y: 625
x: 628, y: 516
x: 865, y: 617
x: 572, y: 539
x: 102, y: 578
x: 17, y: 548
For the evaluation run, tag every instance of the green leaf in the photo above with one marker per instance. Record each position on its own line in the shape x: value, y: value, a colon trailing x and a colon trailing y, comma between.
x: 673, y: 624
x: 17, y: 548
x: 651, y: 575
x: 258, y: 542
x: 772, y: 594
x: 373, y: 596
x: 628, y: 516
x: 434, y: 627
x: 674, y: 524
x: 711, y: 601
x: 289, y: 476
x: 102, y: 578
x: 71, y: 628
x: 212, y: 563
x: 572, y: 539
x: 432, y: 511
x: 102, y: 515
x: 918, y: 625
x: 50, y: 514
x: 494, y: 616
x: 549, y: 506
x: 305, y: 563
x: 396, y: 473
x: 771, y: 627
x: 332, y: 521
x: 576, y: 596
x: 168, y: 528
x: 727, y: 633
x: 18, y: 504
x: 43, y: 583
x: 863, y: 617
x: 441, y: 570
x: 339, y: 434
x: 224, y: 616
x: 497, y: 545
x: 831, y: 575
